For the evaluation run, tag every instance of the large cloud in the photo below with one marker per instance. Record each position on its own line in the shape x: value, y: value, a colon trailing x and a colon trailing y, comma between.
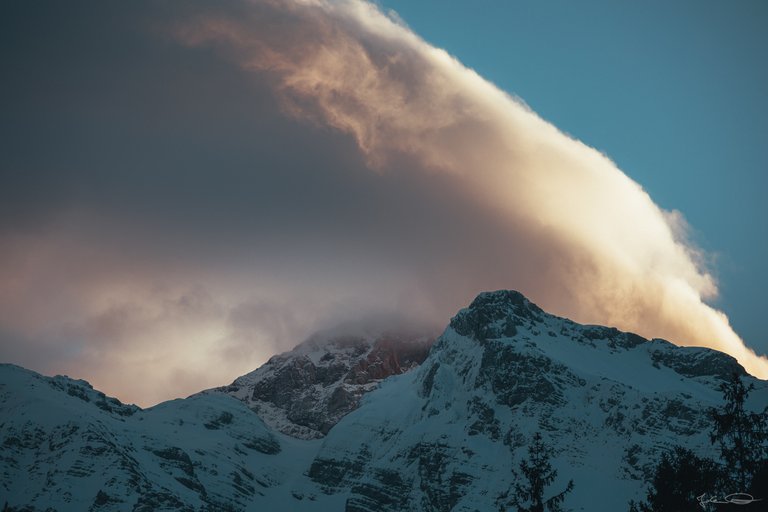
x: 617, y: 256
x: 247, y: 172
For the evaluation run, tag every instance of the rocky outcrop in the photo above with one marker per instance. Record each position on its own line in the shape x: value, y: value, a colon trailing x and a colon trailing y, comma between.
x: 305, y: 392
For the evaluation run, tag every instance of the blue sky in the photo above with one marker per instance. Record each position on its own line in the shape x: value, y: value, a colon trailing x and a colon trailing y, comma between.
x: 676, y: 93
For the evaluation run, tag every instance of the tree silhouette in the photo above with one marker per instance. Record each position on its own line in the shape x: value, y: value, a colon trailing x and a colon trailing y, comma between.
x: 681, y: 477
x: 536, y: 475
x: 678, y: 480
x: 741, y: 434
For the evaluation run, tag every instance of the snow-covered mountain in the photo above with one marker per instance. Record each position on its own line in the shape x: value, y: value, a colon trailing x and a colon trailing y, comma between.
x: 443, y: 436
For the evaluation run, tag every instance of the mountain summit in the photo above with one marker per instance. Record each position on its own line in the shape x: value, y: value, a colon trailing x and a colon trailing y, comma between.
x: 375, y: 423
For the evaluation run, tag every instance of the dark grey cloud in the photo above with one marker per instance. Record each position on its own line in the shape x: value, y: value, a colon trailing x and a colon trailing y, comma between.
x: 102, y: 111
x: 108, y: 118
x: 130, y: 158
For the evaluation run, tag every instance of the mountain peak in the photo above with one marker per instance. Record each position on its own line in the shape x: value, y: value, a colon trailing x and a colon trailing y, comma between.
x: 496, y: 314
x: 497, y: 318
x: 501, y: 298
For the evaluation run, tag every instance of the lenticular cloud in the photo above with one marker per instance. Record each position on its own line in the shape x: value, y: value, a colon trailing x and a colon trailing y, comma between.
x: 581, y: 237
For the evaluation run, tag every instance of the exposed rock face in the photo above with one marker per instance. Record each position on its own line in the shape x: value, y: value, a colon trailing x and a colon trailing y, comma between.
x: 444, y: 436
x: 305, y: 392
x: 496, y: 315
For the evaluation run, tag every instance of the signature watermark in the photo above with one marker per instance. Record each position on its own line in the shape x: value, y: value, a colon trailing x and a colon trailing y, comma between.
x: 737, y: 498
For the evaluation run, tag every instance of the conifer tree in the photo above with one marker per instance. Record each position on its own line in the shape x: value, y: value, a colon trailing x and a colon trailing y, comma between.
x: 741, y: 434
x: 536, y: 475
x: 681, y: 478
x: 678, y: 480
